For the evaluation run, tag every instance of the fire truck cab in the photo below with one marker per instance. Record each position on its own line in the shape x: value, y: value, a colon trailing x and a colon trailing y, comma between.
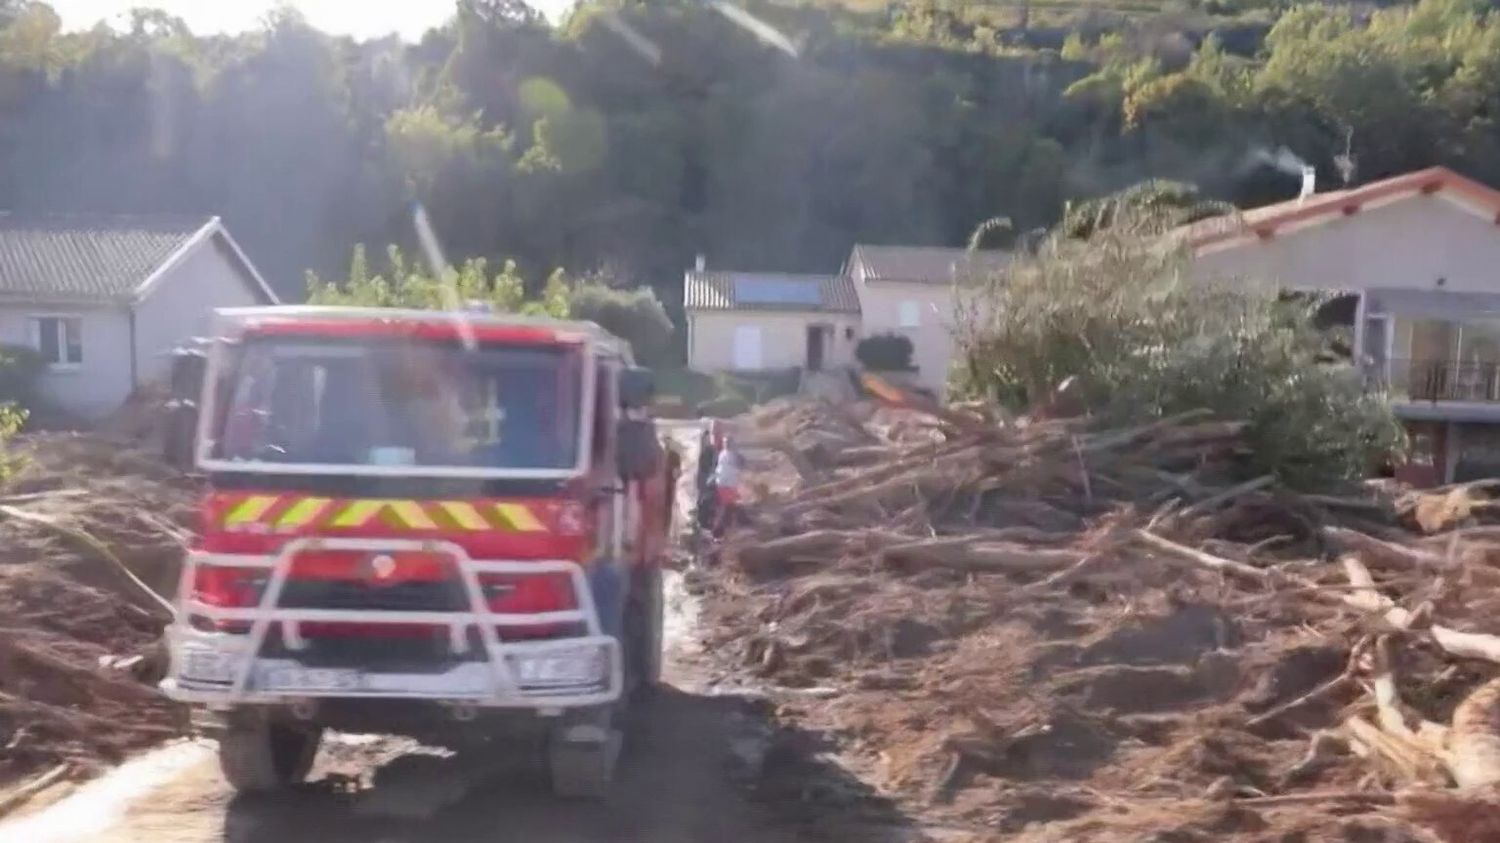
x: 445, y: 525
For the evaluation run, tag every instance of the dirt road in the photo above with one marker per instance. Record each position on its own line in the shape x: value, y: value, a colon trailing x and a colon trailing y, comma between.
x: 684, y: 784
x: 696, y: 777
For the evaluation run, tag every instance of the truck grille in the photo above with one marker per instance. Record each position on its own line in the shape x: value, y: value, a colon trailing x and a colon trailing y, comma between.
x: 440, y: 596
x: 420, y: 654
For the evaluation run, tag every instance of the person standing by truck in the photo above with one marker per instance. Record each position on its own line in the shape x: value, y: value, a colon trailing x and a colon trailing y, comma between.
x: 708, y: 457
x: 726, y: 479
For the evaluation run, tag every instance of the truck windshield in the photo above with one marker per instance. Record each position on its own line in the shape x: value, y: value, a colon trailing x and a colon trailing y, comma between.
x: 409, y: 402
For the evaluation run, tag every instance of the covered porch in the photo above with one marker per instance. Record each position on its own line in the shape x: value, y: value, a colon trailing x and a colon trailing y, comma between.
x: 1431, y: 346
x: 1437, y: 354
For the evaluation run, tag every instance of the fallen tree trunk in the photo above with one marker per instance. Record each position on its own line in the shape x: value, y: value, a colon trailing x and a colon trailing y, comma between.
x: 1384, y: 553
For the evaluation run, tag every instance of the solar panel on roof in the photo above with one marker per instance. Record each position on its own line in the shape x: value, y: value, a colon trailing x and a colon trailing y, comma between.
x: 784, y: 291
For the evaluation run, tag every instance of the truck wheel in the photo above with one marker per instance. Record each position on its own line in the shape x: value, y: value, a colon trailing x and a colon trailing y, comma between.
x: 267, y: 756
x: 643, y: 625
x: 583, y: 769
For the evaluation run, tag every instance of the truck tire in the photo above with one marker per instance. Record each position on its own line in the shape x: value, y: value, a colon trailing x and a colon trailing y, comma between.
x: 583, y: 769
x: 261, y: 757
x: 646, y: 615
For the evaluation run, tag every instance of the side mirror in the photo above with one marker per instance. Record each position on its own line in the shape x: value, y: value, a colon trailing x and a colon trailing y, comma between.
x: 637, y: 388
x: 638, y: 452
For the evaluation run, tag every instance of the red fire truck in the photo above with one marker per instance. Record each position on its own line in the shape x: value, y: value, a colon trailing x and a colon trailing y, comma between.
x: 445, y: 525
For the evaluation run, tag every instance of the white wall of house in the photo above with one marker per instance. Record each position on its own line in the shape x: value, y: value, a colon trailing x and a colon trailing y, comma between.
x: 750, y: 340
x: 922, y: 312
x: 1406, y: 244
x: 99, y: 382
x: 181, y: 304
x: 178, y: 306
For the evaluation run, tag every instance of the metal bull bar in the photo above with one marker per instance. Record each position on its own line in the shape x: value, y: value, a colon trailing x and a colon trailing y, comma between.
x: 503, y: 687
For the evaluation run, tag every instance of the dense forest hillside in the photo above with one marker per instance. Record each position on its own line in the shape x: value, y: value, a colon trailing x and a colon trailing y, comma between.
x: 637, y: 133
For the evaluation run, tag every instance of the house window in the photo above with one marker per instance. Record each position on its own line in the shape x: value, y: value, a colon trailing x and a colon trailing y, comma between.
x: 59, y: 339
x: 909, y: 314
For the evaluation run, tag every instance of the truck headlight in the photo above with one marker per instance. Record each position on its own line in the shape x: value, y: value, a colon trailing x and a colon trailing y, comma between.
x: 573, y: 666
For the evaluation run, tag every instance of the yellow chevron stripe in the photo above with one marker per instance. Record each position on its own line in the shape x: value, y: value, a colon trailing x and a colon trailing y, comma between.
x: 250, y: 510
x: 465, y: 514
x: 302, y: 512
x: 357, y: 513
x: 518, y: 517
x: 412, y: 515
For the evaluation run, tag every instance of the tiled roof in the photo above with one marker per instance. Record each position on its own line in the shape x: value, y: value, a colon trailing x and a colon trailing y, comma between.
x: 929, y: 264
x: 769, y: 291
x: 1264, y: 222
x: 86, y: 258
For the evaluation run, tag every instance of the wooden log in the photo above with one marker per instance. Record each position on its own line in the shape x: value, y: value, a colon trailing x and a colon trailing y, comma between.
x: 1474, y: 750
x: 22, y: 793
x: 1367, y: 598
x: 1384, y: 553
x: 135, y: 590
x: 1227, y: 495
x: 1485, y: 533
x: 912, y: 461
x: 1355, y: 654
x: 96, y: 683
x: 1201, y: 559
x: 1012, y: 557
x: 1340, y: 502
x: 1410, y: 759
x: 1467, y: 645
x: 79, y: 724
x: 815, y: 543
x: 1122, y: 438
x: 991, y: 556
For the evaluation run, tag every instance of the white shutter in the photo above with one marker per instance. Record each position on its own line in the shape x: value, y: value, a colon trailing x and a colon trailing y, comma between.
x: 910, y: 315
x: 747, y: 347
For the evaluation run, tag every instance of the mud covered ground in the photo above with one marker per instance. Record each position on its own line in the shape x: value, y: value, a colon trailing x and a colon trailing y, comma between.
x: 709, y: 765
x: 77, y: 638
x: 1080, y: 688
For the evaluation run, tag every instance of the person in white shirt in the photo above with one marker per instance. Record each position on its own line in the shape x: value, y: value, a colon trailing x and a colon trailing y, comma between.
x: 726, y: 485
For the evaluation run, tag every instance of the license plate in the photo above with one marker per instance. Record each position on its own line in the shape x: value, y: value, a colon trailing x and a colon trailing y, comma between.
x: 208, y: 666
x: 311, y: 679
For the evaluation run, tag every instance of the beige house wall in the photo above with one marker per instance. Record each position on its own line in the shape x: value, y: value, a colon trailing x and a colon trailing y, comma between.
x: 1408, y: 244
x: 883, y: 303
x: 783, y: 338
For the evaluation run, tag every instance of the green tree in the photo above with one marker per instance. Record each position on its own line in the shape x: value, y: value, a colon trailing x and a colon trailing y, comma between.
x: 1120, y: 315
x: 633, y: 315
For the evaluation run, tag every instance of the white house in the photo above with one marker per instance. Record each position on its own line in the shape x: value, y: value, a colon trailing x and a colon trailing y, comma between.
x: 104, y: 299
x: 753, y: 321
x: 1417, y: 258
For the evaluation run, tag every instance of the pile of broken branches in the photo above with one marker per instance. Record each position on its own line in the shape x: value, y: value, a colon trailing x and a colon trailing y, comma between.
x: 1073, y: 545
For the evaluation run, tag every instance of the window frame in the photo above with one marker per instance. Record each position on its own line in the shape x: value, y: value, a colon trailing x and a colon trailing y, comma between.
x: 34, y: 323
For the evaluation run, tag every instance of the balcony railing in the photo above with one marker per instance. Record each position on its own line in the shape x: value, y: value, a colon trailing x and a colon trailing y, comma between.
x: 1439, y: 380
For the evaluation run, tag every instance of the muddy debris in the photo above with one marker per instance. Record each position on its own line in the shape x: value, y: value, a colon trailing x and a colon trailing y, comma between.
x: 91, y: 535
x: 1049, y: 630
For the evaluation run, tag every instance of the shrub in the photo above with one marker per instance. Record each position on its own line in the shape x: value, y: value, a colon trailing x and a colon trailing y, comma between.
x: 885, y: 353
x: 759, y: 387
x: 636, y: 316
x: 686, y: 384
x: 19, y: 369
x: 1141, y: 340
x: 11, y: 419
x: 724, y: 407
